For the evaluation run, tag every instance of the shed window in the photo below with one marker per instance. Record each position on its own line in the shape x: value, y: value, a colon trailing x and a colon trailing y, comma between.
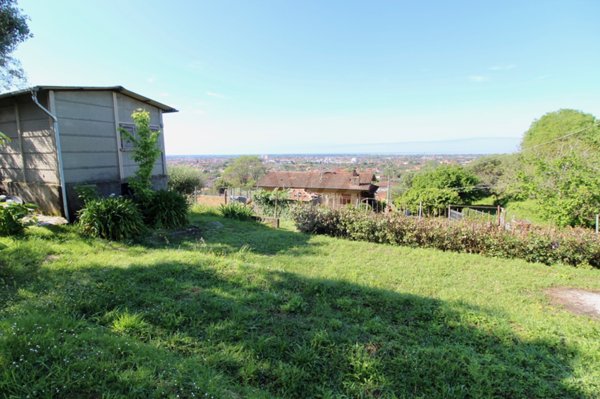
x: 130, y: 127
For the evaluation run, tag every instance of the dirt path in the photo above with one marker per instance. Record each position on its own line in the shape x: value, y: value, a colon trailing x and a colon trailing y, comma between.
x: 577, y: 300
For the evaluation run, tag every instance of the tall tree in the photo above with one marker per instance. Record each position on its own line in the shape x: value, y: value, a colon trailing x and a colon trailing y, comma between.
x: 561, y: 154
x: 497, y: 175
x: 561, y: 132
x: 13, y: 31
x: 244, y: 172
x: 437, y: 188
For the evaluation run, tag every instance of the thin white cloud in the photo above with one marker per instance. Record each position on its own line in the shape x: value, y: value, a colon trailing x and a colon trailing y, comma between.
x: 478, y: 78
x: 506, y: 67
x: 151, y: 79
x: 215, y: 94
x: 543, y: 77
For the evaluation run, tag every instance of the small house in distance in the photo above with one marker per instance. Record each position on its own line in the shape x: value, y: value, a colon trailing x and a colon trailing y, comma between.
x: 62, y: 137
x: 329, y: 188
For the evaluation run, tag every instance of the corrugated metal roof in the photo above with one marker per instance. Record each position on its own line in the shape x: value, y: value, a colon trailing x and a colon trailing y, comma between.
x: 118, y: 89
x: 319, y: 180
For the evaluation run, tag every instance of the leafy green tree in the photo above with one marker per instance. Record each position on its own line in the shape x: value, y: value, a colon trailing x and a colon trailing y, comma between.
x: 544, y: 134
x: 13, y: 31
x: 567, y: 189
x: 437, y: 188
x: 185, y: 179
x: 221, y: 184
x: 404, y: 184
x: 244, y: 172
x: 272, y: 203
x: 145, y: 152
x: 453, y: 177
x: 498, y: 176
x: 433, y: 200
x: 561, y: 157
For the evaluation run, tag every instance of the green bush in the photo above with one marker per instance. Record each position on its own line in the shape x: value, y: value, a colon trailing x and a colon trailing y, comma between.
x: 274, y: 203
x: 11, y: 218
x: 317, y: 220
x: 235, y: 210
x: 113, y: 218
x: 167, y: 209
x: 570, y: 246
x: 185, y: 179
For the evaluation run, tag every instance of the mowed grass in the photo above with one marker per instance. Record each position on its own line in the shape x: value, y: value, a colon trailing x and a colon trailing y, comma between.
x: 242, y: 310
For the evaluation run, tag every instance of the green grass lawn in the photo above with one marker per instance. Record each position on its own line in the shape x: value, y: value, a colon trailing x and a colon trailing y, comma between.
x: 241, y: 310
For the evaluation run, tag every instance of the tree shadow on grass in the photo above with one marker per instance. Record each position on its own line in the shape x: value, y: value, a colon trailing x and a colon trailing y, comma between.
x: 226, y: 236
x: 19, y: 264
x: 293, y: 336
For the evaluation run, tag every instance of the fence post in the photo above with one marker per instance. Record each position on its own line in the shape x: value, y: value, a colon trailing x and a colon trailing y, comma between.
x: 420, y: 209
x: 449, y: 209
x: 597, y: 222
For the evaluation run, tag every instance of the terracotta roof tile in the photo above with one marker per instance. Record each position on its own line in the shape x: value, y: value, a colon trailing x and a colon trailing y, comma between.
x: 337, y: 180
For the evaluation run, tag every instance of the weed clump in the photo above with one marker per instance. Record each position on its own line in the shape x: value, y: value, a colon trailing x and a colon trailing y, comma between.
x: 235, y: 210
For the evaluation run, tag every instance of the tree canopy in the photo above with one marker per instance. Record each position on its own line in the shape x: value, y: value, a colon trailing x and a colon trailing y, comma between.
x: 13, y: 31
x: 439, y: 187
x: 497, y: 175
x: 557, y: 124
x: 185, y: 179
x: 243, y: 172
x: 453, y: 177
x: 560, y: 166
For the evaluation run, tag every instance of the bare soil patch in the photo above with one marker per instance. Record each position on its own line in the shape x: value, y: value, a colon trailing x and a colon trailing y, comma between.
x: 576, y: 300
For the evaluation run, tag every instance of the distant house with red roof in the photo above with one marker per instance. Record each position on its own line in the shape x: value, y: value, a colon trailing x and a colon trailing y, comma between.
x: 330, y: 188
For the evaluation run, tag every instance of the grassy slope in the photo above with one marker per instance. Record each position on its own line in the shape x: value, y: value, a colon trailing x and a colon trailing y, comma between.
x: 256, y: 312
x: 526, y: 210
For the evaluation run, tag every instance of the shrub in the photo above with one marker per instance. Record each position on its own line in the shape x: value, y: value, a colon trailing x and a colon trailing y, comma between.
x: 570, y: 246
x: 185, y: 179
x: 11, y: 218
x: 167, y: 209
x: 113, y: 218
x: 145, y: 151
x: 235, y: 210
x: 317, y: 220
x: 274, y: 203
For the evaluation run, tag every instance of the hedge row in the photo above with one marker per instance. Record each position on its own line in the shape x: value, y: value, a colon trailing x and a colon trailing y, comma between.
x: 549, y: 246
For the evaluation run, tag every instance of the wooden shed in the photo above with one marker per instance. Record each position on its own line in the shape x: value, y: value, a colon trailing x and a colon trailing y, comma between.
x: 62, y: 137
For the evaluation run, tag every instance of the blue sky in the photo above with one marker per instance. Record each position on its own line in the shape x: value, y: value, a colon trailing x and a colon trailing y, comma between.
x: 316, y: 76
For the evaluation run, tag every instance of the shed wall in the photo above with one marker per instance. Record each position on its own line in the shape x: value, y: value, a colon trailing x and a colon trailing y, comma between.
x: 88, y: 138
x: 28, y: 164
x: 125, y: 107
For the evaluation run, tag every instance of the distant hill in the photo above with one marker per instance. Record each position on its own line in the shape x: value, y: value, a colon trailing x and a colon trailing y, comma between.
x: 474, y: 146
